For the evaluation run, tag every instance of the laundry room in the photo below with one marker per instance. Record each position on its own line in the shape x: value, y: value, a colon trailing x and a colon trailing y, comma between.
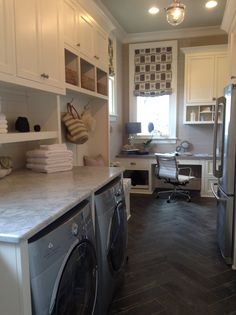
x: 117, y: 157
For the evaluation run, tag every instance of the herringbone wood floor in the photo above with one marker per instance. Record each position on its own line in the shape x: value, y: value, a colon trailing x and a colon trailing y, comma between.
x: 174, y: 264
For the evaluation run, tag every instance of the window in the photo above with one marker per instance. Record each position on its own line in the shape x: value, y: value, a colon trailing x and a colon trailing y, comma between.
x: 112, y: 79
x: 156, y: 107
x: 111, y: 95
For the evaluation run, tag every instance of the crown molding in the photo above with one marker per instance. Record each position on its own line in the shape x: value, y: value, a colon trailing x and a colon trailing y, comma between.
x: 117, y: 29
x: 229, y: 15
x: 174, y: 34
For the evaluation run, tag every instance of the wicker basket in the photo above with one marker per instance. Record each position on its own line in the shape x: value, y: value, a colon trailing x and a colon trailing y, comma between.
x: 87, y: 83
x: 71, y: 76
x: 102, y: 88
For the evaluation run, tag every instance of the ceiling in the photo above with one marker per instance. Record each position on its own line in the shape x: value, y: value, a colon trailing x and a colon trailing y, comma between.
x: 133, y: 16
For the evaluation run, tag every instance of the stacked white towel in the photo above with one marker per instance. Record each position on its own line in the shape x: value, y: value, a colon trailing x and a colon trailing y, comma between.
x: 3, y: 124
x: 50, y: 159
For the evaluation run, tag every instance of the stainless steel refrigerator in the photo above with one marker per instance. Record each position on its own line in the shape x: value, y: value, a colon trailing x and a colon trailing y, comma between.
x: 224, y: 168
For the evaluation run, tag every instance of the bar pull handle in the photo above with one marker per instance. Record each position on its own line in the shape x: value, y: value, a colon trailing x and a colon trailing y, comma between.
x: 218, y: 172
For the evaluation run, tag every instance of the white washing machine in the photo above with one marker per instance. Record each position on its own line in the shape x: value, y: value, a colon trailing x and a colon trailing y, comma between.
x: 111, y: 236
x: 63, y: 265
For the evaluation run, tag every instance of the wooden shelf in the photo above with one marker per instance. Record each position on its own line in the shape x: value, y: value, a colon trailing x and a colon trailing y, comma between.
x: 27, y: 136
x: 77, y: 89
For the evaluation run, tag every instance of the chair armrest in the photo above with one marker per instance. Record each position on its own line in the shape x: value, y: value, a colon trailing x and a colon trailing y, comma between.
x: 185, y: 168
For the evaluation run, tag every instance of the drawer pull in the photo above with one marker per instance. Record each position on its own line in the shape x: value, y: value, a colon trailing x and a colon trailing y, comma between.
x: 132, y: 163
x: 233, y: 77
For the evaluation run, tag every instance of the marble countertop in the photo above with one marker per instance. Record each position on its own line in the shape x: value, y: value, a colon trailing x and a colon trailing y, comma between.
x: 30, y: 201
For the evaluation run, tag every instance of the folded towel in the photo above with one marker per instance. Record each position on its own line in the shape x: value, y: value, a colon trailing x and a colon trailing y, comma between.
x: 50, y: 169
x: 49, y: 153
x: 54, y: 147
x: 3, y: 122
x: 2, y: 116
x: 3, y: 130
x: 50, y: 161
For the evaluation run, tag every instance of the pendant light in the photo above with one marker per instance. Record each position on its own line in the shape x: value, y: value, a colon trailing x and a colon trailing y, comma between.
x: 175, y: 13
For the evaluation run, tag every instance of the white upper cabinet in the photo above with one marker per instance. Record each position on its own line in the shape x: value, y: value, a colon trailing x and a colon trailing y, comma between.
x: 83, y: 36
x: 39, y: 44
x: 7, y: 47
x: 101, y: 48
x: 206, y: 71
x: 206, y: 75
x: 70, y: 23
x: 85, y: 31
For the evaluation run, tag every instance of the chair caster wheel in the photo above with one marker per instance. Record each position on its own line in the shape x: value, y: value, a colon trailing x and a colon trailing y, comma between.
x: 168, y: 201
x: 189, y: 200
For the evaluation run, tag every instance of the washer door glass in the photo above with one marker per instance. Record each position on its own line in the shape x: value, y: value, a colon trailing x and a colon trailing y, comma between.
x: 77, y: 290
x: 118, y: 238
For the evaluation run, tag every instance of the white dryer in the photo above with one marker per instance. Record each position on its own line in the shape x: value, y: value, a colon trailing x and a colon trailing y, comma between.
x: 111, y: 236
x: 63, y: 265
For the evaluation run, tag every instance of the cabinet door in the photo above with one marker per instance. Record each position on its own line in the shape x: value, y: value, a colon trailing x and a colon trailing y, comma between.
x: 27, y: 39
x: 221, y: 74
x: 7, y: 47
x: 70, y: 23
x: 200, y: 79
x: 51, y: 43
x: 85, y: 35
x: 101, y: 48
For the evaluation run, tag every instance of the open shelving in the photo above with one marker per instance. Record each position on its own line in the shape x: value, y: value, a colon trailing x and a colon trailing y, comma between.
x: 201, y: 114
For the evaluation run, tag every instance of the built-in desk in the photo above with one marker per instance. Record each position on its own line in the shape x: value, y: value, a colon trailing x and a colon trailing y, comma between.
x: 146, y: 165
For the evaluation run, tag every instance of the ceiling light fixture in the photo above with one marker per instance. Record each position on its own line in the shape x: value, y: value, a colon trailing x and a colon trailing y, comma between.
x: 153, y: 10
x: 175, y: 13
x: 211, y: 4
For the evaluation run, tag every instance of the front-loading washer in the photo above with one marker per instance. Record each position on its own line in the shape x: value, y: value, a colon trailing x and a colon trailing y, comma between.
x: 111, y: 236
x: 63, y: 265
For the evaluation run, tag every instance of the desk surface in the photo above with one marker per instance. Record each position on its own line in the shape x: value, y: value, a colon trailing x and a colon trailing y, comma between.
x: 180, y: 156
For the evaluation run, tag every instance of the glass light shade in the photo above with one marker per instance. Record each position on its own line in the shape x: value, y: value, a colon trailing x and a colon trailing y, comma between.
x: 175, y: 13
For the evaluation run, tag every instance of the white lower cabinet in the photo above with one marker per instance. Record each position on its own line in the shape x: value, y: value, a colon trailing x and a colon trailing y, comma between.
x: 15, y: 283
x: 142, y: 170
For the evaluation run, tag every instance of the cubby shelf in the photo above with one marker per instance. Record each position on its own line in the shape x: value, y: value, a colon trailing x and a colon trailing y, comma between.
x: 27, y: 136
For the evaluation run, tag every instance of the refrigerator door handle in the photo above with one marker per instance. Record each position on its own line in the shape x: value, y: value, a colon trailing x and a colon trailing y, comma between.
x: 218, y: 172
x: 213, y: 185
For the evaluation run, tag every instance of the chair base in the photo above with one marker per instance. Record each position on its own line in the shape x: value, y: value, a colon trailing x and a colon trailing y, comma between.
x: 173, y: 194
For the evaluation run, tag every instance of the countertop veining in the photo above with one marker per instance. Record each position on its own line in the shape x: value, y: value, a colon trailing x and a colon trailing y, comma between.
x: 30, y: 201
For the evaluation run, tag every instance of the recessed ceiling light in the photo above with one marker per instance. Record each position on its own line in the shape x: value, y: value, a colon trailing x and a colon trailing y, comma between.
x: 153, y: 10
x: 211, y: 4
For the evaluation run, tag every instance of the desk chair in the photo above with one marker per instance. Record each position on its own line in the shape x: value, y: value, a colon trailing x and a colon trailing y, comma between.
x: 167, y: 169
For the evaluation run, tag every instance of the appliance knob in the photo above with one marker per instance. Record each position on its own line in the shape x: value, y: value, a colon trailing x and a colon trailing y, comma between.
x: 75, y: 229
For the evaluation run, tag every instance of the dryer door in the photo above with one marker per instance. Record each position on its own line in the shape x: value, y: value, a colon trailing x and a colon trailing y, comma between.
x: 118, y: 238
x: 76, y: 289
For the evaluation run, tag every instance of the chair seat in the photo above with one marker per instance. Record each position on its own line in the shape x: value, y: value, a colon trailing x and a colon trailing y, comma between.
x: 184, y: 179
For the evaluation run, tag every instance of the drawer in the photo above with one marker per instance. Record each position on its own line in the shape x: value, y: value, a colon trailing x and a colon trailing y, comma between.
x: 135, y: 164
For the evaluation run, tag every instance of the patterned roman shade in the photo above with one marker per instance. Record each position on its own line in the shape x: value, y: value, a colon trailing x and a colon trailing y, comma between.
x: 153, y: 71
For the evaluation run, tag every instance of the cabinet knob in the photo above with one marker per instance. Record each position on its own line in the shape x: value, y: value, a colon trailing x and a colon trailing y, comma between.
x: 45, y: 76
x: 78, y: 44
x: 233, y: 77
x: 96, y: 57
x: 214, y: 99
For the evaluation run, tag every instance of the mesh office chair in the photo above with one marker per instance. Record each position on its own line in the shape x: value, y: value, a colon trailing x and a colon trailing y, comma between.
x: 167, y: 169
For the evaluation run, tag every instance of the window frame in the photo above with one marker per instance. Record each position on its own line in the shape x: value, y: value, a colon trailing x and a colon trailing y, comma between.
x: 173, y: 97
x: 113, y: 115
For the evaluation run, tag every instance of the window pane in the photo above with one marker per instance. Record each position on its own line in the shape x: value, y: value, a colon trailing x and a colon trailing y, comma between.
x: 155, y: 110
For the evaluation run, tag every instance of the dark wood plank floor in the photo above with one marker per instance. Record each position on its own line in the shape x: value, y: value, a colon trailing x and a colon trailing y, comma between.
x: 174, y: 264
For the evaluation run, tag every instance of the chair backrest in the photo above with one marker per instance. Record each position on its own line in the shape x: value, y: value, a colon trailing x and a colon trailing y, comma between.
x: 166, y: 167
